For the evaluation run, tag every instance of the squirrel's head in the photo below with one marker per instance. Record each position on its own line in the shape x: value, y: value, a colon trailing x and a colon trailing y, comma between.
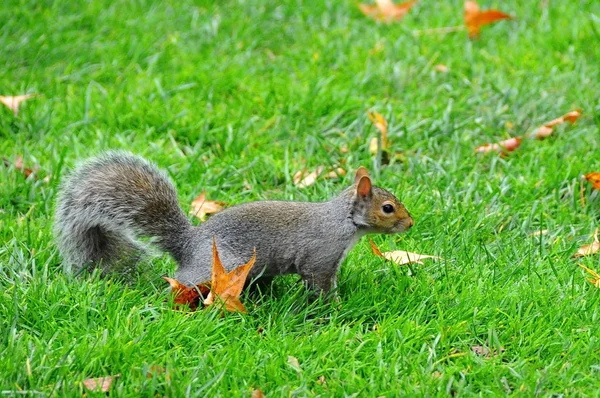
x: 376, y: 209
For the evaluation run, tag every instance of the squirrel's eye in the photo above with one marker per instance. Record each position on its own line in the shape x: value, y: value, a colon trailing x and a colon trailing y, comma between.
x: 388, y: 208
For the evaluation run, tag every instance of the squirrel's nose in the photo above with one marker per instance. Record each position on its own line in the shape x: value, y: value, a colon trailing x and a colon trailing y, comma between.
x: 411, y: 222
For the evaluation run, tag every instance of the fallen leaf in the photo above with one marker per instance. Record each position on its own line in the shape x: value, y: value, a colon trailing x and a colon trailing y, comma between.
x: 401, y: 257
x: 304, y: 178
x: 257, y: 393
x: 156, y: 371
x: 587, y: 250
x: 441, y: 68
x: 475, y: 18
x: 380, y: 124
x: 185, y: 295
x: 503, y: 147
x: 385, y: 10
x: 293, y: 362
x: 13, y: 103
x: 546, y: 130
x: 322, y: 381
x: 594, y: 178
x: 338, y: 172
x: 19, y: 165
x: 227, y: 287
x: 484, y: 351
x: 539, y: 233
x: 100, y: 384
x: 201, y: 207
x: 595, y: 280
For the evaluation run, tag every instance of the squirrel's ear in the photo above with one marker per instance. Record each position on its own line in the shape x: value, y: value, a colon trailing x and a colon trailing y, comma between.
x: 361, y: 172
x: 363, y: 188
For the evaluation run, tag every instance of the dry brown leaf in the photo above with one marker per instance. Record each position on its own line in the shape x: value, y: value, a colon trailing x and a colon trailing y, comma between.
x: 595, y: 279
x: 441, y: 68
x: 257, y: 393
x: 227, y: 287
x: 19, y: 165
x: 185, y: 295
x: 475, y: 18
x: 587, y: 250
x: 594, y: 178
x: 13, y: 103
x: 385, y: 10
x: 401, y: 257
x: 338, y: 172
x: 503, y: 147
x: 322, y: 381
x: 546, y: 130
x: 484, y: 351
x: 100, y: 384
x: 303, y: 178
x: 293, y: 362
x: 201, y: 207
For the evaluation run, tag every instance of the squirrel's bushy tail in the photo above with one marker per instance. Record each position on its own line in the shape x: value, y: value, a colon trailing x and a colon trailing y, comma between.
x: 108, y: 201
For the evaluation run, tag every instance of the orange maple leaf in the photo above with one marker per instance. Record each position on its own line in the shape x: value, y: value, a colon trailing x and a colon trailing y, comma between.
x: 227, y: 287
x: 185, y: 295
x: 594, y: 178
x: 475, y: 18
x: 386, y: 10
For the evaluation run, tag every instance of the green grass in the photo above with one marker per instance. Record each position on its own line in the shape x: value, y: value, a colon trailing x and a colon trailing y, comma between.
x: 236, y: 93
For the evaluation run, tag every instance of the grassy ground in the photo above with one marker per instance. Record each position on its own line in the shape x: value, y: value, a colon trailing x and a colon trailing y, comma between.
x: 236, y: 93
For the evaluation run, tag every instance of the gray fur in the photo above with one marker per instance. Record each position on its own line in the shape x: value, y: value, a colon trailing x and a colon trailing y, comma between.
x: 109, y: 201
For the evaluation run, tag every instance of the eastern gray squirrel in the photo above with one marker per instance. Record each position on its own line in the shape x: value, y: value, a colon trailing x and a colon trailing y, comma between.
x: 107, y: 202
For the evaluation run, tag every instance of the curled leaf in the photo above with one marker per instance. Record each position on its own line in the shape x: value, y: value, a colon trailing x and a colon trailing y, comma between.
x: 380, y: 124
x: 547, y: 129
x: 503, y: 147
x: 185, y: 295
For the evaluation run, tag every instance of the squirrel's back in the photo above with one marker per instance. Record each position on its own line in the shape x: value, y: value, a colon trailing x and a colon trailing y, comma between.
x: 109, y: 200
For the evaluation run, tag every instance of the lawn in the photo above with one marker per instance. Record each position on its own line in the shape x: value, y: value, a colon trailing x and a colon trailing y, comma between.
x: 234, y: 97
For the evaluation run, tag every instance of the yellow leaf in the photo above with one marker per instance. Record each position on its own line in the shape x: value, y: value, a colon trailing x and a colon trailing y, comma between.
x: 401, y: 257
